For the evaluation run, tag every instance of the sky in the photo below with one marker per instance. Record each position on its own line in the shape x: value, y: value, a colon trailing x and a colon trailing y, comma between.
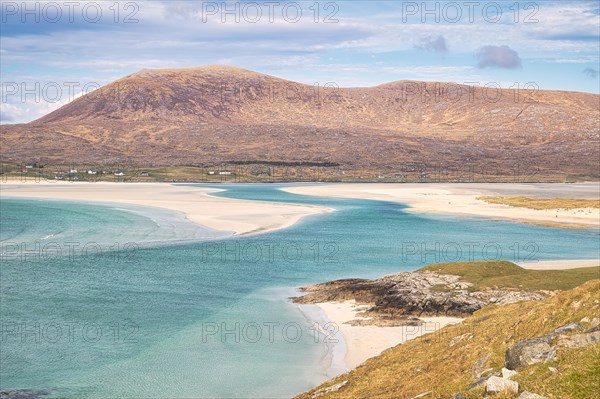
x: 53, y: 51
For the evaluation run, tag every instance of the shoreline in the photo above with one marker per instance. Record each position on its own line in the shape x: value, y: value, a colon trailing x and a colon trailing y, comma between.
x: 356, y: 344
x: 239, y: 217
x: 559, y: 264
x: 461, y: 199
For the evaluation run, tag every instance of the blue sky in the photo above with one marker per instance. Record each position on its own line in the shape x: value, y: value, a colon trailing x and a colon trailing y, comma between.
x: 49, y: 46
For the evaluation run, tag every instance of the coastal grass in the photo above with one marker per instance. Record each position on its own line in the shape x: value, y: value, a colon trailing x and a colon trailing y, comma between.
x: 443, y: 363
x: 507, y: 275
x: 543, y: 203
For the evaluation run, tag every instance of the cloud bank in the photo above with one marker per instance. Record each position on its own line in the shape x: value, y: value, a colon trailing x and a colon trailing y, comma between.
x: 498, y: 57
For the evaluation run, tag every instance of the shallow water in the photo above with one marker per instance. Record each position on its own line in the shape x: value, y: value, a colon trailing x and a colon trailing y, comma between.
x: 180, y: 311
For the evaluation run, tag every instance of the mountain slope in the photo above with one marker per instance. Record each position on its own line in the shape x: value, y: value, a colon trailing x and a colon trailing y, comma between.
x: 213, y: 115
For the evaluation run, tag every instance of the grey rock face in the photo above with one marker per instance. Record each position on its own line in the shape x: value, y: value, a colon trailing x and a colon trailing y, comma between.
x: 579, y: 340
x: 531, y: 351
x: 572, y: 327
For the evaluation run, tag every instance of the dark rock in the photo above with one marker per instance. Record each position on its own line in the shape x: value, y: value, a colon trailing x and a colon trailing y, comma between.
x: 23, y: 394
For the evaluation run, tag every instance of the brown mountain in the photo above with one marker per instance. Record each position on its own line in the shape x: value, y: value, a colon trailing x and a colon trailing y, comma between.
x: 217, y: 115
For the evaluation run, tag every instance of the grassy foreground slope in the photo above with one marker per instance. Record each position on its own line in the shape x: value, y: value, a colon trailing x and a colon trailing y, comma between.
x: 442, y: 364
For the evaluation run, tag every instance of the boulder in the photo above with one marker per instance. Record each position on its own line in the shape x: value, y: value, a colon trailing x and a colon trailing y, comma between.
x: 501, y: 385
x: 508, y: 374
x: 530, y: 351
x: 483, y: 380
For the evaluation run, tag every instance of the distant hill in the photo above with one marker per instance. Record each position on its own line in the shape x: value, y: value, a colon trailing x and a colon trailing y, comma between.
x: 217, y: 115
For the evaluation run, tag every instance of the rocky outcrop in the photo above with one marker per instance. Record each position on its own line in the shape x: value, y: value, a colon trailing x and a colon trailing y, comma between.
x: 412, y: 294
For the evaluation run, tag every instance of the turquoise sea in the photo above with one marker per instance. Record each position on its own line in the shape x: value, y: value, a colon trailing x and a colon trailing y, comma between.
x: 100, y: 301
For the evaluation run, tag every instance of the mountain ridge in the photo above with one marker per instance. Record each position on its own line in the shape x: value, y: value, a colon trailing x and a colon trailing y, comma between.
x: 217, y: 114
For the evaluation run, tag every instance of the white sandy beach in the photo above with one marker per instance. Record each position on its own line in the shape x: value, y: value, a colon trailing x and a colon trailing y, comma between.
x: 461, y: 199
x: 559, y: 264
x: 364, y: 342
x: 238, y: 216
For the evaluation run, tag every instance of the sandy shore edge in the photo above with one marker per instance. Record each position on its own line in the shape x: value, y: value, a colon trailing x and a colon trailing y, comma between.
x: 462, y: 199
x: 355, y: 344
x: 240, y: 217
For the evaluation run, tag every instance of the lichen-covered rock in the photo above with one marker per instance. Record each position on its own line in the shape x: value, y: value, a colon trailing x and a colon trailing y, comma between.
x: 578, y: 340
x: 501, y: 385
